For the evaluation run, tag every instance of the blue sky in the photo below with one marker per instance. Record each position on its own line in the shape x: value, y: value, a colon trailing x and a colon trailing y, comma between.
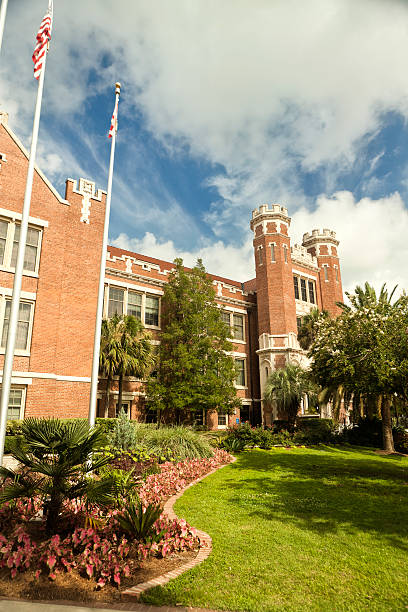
x: 227, y: 105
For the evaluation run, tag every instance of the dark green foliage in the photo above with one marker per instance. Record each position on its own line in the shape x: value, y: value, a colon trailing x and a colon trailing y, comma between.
x: 314, y: 431
x: 367, y: 432
x: 138, y: 521
x: 57, y: 458
x: 194, y: 373
x: 401, y: 440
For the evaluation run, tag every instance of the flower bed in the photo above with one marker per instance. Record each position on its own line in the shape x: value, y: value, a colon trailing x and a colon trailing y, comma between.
x: 102, y: 553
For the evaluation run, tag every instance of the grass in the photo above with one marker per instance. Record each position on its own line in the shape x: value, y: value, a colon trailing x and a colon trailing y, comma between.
x: 322, y: 529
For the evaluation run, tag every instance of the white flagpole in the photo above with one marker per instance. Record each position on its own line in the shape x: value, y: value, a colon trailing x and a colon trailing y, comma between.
x: 99, y: 310
x: 18, y: 275
x: 3, y: 12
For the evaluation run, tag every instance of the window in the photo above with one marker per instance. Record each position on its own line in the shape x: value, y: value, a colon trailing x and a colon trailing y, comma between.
x: 125, y: 408
x: 260, y: 259
x: 199, y: 418
x: 326, y: 273
x: 298, y: 324
x: 240, y: 378
x: 151, y: 416
x: 23, y: 325
x: 134, y: 305
x: 303, y: 289
x: 312, y: 298
x: 222, y: 418
x: 226, y: 317
x: 296, y: 286
x: 285, y: 253
x: 9, y: 239
x: 152, y: 311
x: 116, y: 300
x: 238, y: 331
x: 337, y: 273
x: 125, y: 301
x: 15, y: 407
x: 236, y: 324
x: 273, y: 256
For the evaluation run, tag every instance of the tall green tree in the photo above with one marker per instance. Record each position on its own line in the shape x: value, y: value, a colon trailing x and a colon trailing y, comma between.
x: 194, y: 372
x: 365, y: 350
x: 307, y: 331
x: 126, y: 350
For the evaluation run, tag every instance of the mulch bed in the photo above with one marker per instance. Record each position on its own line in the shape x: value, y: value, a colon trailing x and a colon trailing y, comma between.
x: 73, y: 587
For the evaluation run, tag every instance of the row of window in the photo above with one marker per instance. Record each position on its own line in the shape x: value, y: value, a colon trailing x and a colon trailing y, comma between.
x: 142, y: 306
x: 273, y: 252
x: 304, y: 290
x: 236, y: 324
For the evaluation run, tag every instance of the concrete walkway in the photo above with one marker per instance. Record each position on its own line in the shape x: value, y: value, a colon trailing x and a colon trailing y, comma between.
x: 61, y: 606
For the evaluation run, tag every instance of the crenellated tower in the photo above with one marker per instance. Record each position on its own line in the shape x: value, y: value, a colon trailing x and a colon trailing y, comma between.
x: 323, y: 244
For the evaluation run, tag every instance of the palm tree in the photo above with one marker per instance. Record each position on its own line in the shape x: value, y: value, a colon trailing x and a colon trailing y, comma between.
x: 287, y: 386
x: 126, y: 350
x: 58, y: 458
x: 366, y: 297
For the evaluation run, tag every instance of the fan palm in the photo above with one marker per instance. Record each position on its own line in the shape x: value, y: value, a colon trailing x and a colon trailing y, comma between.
x: 286, y: 387
x: 126, y: 350
x: 57, y: 458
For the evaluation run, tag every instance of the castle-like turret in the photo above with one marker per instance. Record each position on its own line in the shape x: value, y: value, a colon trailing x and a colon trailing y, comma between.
x: 323, y: 244
x: 274, y: 284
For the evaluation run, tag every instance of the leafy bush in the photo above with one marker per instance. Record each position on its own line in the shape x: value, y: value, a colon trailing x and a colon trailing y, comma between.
x: 173, y: 442
x: 367, y: 432
x: 314, y: 431
x: 400, y: 440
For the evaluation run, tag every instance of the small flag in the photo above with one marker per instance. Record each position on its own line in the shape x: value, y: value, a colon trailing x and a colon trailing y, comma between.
x: 43, y: 37
x: 114, y: 120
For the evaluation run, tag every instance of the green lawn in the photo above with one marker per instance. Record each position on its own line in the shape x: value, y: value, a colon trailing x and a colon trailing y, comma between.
x: 307, y: 529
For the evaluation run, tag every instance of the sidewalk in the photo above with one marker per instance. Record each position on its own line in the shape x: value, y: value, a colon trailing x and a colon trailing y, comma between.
x: 69, y: 606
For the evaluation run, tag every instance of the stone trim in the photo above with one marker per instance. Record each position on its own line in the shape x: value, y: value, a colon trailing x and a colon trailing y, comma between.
x: 204, y: 550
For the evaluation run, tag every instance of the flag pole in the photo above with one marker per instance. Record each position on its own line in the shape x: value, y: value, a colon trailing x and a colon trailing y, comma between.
x: 18, y: 275
x: 3, y: 12
x: 99, y: 310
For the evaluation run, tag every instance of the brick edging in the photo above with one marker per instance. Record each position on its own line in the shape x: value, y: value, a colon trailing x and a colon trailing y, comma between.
x: 203, y: 552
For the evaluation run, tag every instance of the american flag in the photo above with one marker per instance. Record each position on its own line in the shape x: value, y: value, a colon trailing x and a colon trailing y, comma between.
x: 43, y: 36
x: 114, y: 120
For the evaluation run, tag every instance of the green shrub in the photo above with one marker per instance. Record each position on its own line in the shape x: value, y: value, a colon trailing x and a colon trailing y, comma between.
x: 173, y: 442
x: 314, y: 431
x: 400, y: 439
x: 367, y: 432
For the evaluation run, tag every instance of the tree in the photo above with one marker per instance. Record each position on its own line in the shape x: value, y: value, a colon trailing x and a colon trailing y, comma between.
x: 287, y: 386
x: 126, y: 350
x: 307, y: 330
x: 57, y: 457
x: 366, y: 351
x: 194, y: 372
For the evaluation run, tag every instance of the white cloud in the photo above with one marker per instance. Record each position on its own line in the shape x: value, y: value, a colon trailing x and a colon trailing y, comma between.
x: 262, y: 89
x: 231, y: 262
x: 372, y: 233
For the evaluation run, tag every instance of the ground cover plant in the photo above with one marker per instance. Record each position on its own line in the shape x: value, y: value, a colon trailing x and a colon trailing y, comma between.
x: 300, y: 529
x: 102, y: 524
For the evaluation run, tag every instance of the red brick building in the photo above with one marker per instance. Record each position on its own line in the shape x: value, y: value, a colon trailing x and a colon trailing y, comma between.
x: 52, y: 366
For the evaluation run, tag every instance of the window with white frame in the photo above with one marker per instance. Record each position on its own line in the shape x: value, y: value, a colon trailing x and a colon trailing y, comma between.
x: 236, y: 324
x: 222, y: 418
x: 336, y: 270
x: 260, y: 256
x: 273, y: 253
x: 240, y: 379
x: 24, y: 325
x: 15, y: 409
x: 326, y: 272
x: 304, y: 289
x: 9, y: 239
x: 285, y: 253
x: 125, y: 301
